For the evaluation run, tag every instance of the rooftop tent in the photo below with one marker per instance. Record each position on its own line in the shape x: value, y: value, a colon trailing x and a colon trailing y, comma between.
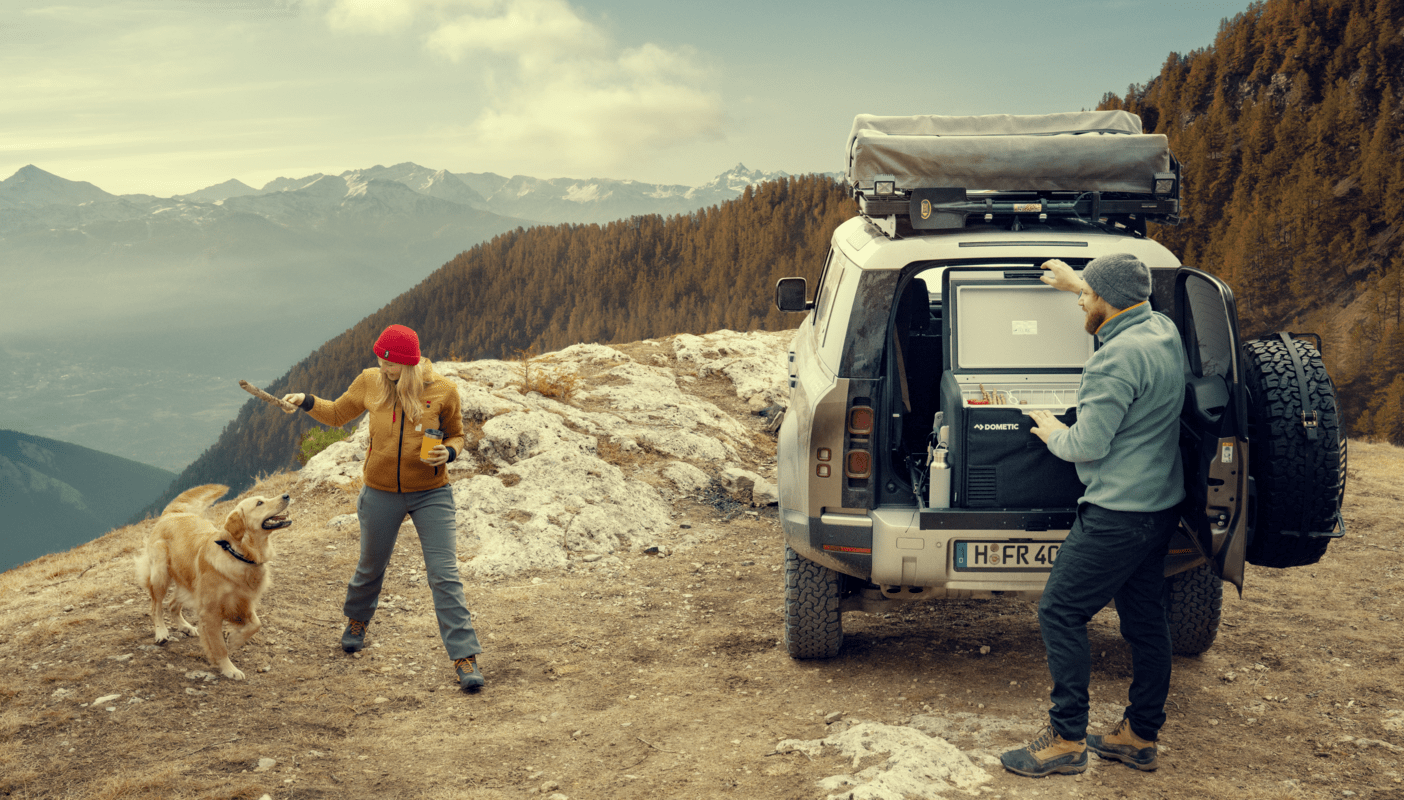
x: 1091, y: 151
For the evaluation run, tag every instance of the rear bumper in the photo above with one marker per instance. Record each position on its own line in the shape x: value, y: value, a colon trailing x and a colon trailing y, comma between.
x: 901, y: 549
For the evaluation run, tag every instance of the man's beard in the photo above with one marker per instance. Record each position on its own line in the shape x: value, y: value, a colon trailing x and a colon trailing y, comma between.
x: 1095, y: 318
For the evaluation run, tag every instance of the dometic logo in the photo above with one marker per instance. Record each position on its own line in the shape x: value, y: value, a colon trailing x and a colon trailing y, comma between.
x: 1003, y: 426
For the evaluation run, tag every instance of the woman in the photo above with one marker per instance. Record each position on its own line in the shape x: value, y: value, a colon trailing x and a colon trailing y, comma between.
x: 405, y: 398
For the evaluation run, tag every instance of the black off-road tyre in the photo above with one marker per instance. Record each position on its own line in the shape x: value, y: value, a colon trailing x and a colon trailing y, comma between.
x: 813, y: 623
x: 1194, y: 603
x: 1300, y: 481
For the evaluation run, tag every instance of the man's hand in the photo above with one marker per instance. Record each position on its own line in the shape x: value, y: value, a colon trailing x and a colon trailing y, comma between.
x: 1045, y: 424
x: 1061, y: 277
x: 295, y: 399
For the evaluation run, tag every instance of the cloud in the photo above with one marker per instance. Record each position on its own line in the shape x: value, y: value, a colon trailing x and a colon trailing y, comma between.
x: 561, y: 93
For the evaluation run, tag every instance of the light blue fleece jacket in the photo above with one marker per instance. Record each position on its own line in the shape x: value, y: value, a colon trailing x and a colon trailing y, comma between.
x: 1126, y: 438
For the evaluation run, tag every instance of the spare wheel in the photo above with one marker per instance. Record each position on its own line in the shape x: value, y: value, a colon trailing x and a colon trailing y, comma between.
x: 1297, y: 455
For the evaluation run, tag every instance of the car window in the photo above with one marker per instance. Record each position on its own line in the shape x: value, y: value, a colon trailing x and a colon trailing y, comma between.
x: 834, y: 326
x: 823, y: 294
x: 832, y: 281
x: 932, y: 279
x: 1208, y: 329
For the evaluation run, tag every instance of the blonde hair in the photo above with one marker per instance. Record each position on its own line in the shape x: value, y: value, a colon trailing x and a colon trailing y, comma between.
x: 409, y: 389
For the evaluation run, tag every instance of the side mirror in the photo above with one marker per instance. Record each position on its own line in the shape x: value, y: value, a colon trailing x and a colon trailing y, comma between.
x: 790, y: 294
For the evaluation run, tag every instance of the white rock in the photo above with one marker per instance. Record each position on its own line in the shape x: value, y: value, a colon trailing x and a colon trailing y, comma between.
x: 755, y: 361
x: 575, y: 479
x: 339, y: 464
x: 748, y: 487
x: 510, y: 438
x: 565, y: 500
x: 265, y: 764
x: 917, y: 765
x: 687, y: 478
x: 107, y: 698
x: 765, y: 493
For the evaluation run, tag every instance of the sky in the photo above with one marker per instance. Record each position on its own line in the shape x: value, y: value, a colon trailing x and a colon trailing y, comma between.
x: 166, y: 97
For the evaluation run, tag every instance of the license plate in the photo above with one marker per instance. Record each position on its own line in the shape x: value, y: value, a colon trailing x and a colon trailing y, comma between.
x: 1005, y: 556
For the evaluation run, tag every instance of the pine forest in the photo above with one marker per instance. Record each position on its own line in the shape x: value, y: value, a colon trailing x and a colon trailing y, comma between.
x: 1288, y: 131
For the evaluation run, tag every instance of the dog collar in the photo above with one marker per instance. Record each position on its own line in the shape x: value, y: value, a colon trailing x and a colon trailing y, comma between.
x: 229, y: 548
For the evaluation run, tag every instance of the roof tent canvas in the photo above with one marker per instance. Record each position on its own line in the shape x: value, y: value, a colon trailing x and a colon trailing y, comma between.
x: 1090, y: 151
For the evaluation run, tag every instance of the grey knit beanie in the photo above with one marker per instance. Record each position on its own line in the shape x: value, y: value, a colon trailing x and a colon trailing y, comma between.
x: 1120, y: 279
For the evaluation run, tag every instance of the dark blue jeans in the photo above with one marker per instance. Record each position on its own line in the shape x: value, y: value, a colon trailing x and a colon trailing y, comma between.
x: 432, y: 511
x: 1109, y: 555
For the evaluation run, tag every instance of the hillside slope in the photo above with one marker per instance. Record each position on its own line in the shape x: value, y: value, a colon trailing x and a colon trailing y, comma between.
x: 56, y: 495
x: 629, y: 612
x: 1290, y: 131
x: 547, y: 288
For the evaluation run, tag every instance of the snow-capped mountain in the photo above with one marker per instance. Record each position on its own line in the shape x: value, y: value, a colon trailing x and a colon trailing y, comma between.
x: 188, y: 293
x: 548, y: 200
x: 604, y: 199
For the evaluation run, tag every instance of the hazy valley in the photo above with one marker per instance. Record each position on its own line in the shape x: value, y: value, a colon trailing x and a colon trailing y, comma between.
x: 129, y: 319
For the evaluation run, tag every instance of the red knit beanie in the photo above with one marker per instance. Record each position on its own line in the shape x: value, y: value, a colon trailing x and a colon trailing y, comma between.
x: 398, y: 345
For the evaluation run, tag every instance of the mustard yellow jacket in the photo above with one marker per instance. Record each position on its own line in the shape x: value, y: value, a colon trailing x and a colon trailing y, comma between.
x: 392, y: 460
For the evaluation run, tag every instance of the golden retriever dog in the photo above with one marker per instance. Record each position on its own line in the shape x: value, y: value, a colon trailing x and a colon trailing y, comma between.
x: 220, y: 572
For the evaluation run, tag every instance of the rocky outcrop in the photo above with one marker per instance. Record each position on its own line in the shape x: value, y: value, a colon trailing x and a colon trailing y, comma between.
x: 544, y: 480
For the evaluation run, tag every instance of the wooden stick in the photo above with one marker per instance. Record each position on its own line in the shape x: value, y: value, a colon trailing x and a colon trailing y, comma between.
x: 266, y: 397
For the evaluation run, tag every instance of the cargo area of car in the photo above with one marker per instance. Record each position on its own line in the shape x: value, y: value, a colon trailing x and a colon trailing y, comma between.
x: 970, y: 360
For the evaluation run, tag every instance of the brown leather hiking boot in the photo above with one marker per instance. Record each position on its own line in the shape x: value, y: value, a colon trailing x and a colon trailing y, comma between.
x: 1048, y: 754
x: 1123, y: 745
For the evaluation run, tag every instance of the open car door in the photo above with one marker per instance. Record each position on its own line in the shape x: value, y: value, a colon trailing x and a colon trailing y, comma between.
x: 1213, y: 424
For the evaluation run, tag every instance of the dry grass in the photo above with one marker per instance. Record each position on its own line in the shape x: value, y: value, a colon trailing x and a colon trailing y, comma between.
x: 660, y: 677
x: 629, y: 456
x: 557, y: 384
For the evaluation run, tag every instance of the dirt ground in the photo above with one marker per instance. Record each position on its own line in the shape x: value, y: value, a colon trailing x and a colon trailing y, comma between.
x: 665, y: 678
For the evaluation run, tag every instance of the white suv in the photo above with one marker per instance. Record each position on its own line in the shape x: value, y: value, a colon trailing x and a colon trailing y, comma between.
x: 907, y: 469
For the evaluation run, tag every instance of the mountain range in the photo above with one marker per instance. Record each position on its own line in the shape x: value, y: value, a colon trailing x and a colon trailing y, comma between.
x: 130, y: 318
x: 57, y: 495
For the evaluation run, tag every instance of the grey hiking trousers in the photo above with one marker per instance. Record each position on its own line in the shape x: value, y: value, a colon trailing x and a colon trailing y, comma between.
x: 432, y: 512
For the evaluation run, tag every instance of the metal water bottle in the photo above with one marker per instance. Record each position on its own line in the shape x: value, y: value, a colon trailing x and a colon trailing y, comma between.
x: 940, y: 479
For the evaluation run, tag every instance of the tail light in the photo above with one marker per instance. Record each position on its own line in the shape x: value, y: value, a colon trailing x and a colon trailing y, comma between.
x: 858, y: 458
x: 858, y: 464
x: 860, y: 420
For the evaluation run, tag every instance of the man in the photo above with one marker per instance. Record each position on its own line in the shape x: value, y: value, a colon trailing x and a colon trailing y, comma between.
x: 1125, y: 443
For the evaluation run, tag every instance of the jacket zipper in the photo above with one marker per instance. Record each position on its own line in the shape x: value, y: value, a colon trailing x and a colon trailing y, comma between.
x: 400, y: 453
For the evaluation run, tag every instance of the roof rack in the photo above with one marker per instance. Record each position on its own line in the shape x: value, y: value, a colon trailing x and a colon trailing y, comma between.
x: 936, y: 173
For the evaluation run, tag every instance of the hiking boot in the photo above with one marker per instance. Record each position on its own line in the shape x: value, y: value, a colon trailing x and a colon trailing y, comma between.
x: 1046, y: 755
x: 354, y: 637
x: 469, y: 678
x: 1125, y: 746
